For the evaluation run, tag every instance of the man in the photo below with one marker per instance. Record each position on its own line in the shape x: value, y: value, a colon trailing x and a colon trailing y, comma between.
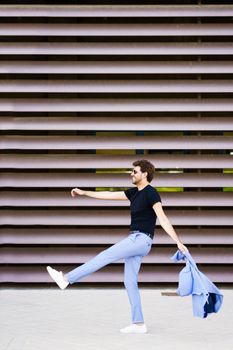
x: 146, y: 206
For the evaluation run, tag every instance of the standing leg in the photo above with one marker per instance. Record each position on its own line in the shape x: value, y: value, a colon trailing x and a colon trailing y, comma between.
x: 132, y: 266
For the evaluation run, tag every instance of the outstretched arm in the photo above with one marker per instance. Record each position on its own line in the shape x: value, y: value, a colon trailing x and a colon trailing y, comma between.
x: 167, y: 226
x: 99, y: 195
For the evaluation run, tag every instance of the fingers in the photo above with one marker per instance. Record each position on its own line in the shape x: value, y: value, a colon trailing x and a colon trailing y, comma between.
x: 73, y: 192
x: 185, y: 249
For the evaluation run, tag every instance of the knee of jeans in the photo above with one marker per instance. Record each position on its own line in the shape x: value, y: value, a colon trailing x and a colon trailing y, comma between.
x: 130, y: 283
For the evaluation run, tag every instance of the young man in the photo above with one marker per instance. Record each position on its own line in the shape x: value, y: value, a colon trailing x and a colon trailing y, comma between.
x: 145, y: 208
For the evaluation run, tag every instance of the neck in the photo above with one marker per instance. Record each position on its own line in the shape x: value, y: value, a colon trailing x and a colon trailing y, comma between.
x: 142, y: 185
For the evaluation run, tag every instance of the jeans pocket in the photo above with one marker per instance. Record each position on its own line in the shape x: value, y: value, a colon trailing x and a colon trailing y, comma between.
x: 149, y: 241
x: 147, y: 248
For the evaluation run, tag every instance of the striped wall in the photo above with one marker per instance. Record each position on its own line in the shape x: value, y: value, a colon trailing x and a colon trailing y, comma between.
x: 86, y: 90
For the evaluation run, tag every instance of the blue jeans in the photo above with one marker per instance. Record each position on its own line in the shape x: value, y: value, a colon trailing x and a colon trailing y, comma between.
x: 132, y: 248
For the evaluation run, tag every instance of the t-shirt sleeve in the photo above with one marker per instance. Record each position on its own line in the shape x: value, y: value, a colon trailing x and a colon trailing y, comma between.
x: 153, y: 197
x: 130, y: 192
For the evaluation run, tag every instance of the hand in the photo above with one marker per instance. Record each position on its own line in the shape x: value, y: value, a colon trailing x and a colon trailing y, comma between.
x: 182, y: 248
x: 77, y: 191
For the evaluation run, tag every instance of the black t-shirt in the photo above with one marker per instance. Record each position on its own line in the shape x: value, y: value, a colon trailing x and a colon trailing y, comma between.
x: 143, y: 217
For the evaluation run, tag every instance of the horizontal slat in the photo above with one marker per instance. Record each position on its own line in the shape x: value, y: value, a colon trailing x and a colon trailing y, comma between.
x: 22, y: 208
x: 114, y: 67
x: 121, y: 122
x: 209, y: 236
x: 113, y: 273
x: 110, y: 29
x: 79, y: 255
x: 108, y: 48
x: 115, y: 105
x: 64, y: 161
x: 116, y: 11
x: 117, y: 86
x: 107, y: 217
x: 59, y: 199
x: 115, y: 142
x: 111, y: 180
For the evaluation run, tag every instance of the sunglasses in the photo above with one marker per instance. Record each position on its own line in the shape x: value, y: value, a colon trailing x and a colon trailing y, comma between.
x: 134, y: 171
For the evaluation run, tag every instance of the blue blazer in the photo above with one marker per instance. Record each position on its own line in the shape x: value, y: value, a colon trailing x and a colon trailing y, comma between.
x: 206, y: 297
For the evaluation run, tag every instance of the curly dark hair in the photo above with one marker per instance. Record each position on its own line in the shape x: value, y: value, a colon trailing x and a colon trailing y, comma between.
x: 146, y: 166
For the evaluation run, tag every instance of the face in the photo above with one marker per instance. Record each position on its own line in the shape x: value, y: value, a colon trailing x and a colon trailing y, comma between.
x: 137, y: 176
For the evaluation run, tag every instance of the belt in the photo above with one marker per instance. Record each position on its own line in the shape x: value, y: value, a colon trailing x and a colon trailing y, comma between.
x: 146, y: 233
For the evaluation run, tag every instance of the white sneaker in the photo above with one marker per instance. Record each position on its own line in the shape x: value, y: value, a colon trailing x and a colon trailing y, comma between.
x: 134, y: 328
x: 57, y: 277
